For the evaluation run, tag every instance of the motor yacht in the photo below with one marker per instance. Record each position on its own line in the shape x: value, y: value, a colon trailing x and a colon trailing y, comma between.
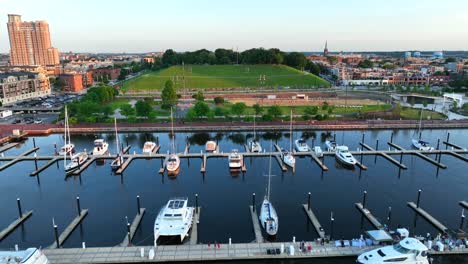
x: 149, y: 147
x: 331, y: 145
x: 100, y: 147
x: 300, y: 145
x: 28, y: 256
x: 407, y: 251
x: 173, y: 164
x: 343, y: 155
x: 236, y: 160
x: 211, y: 146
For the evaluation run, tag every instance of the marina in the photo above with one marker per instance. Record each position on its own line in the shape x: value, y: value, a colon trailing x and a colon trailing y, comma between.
x: 216, y: 173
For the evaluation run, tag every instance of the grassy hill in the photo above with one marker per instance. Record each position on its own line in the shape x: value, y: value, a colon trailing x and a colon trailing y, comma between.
x: 225, y: 76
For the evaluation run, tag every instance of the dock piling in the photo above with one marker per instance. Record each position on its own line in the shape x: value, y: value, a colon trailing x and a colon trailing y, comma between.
x: 56, y: 235
x: 364, y: 198
x: 419, y: 198
x: 78, y: 206
x: 196, y: 203
x: 253, y: 201
x: 308, y: 201
x: 438, y: 143
x: 389, y: 217
x: 362, y: 140
x: 377, y: 145
x: 447, y: 140
x: 462, y: 222
x: 332, y: 219
x: 128, y: 232
x: 138, y: 204
x: 34, y: 142
x: 391, y: 137
x: 20, y: 211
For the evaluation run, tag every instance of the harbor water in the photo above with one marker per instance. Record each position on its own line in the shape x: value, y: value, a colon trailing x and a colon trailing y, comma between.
x: 225, y: 197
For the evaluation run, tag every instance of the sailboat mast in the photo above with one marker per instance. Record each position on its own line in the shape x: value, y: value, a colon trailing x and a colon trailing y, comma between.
x: 68, y: 127
x: 420, y: 121
x: 117, y: 147
x: 290, y: 133
x: 269, y: 172
x: 172, y: 131
x: 65, y: 138
x: 255, y: 134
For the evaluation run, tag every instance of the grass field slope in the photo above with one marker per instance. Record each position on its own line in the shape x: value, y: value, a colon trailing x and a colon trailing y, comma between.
x: 225, y: 76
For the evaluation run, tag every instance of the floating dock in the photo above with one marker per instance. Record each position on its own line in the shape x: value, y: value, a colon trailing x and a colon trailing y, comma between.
x: 419, y: 154
x: 464, y: 204
x: 69, y: 229
x: 133, y: 227
x: 124, y: 166
x: 5, y: 232
x: 453, y: 145
x: 45, y: 166
x: 429, y: 218
x: 318, y: 161
x: 8, y: 146
x: 256, y: 225
x: 366, y: 213
x: 194, y: 230
x: 313, y: 219
x: 18, y: 158
x: 84, y: 166
x: 385, y: 155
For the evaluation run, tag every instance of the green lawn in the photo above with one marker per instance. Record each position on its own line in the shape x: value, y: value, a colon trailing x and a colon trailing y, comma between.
x: 414, y: 114
x: 224, y: 76
x: 299, y: 110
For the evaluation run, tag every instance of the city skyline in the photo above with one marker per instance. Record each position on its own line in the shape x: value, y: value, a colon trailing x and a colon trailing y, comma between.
x: 146, y: 26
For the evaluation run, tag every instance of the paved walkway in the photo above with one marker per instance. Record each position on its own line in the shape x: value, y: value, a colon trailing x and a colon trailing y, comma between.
x: 194, y: 253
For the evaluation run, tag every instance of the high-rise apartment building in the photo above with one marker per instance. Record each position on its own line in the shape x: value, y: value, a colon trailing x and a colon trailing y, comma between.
x: 30, y: 43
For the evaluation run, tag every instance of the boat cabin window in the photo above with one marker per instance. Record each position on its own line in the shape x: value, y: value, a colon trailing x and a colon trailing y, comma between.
x: 172, y: 160
x: 396, y: 259
x: 177, y: 204
x: 401, y: 249
x: 168, y: 215
x: 424, y: 253
x: 177, y: 215
x: 381, y: 253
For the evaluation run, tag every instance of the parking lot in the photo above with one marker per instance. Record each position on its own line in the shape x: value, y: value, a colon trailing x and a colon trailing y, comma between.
x: 51, y: 101
x: 40, y: 118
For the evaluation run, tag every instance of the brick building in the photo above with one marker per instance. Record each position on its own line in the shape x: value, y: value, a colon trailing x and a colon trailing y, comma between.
x: 16, y: 86
x: 73, y: 82
x: 110, y: 73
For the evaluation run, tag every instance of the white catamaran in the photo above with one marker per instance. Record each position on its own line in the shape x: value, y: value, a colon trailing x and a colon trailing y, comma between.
x: 254, y: 144
x: 119, y: 160
x: 174, y: 220
x: 173, y: 162
x: 419, y: 143
x: 68, y: 147
x: 288, y: 157
x: 268, y: 217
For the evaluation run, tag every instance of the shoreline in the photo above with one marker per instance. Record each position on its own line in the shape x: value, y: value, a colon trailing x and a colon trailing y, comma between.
x: 47, y: 129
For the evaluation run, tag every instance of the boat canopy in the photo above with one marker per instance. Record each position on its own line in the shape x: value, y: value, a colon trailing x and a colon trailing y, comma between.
x: 379, y: 235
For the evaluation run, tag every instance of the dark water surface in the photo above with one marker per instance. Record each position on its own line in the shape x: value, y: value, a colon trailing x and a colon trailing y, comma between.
x: 225, y: 198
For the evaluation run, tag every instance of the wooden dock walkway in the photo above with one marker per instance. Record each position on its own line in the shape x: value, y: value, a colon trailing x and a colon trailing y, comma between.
x: 69, y: 229
x: 279, y: 159
x: 18, y: 158
x: 187, y: 148
x: 8, y: 146
x: 133, y: 227
x: 453, y: 145
x: 256, y: 225
x: 464, y: 204
x: 194, y: 230
x: 315, y: 222
x: 5, y: 232
x: 124, y: 166
x: 385, y: 155
x: 366, y: 213
x: 203, y: 164
x: 45, y: 166
x: 318, y: 161
x: 85, y: 165
x: 429, y: 218
x: 419, y: 154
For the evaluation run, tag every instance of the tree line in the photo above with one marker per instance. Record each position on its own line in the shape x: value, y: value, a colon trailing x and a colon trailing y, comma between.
x: 227, y: 56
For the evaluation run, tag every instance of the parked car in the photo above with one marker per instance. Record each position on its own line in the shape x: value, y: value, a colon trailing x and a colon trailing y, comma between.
x: 38, y: 121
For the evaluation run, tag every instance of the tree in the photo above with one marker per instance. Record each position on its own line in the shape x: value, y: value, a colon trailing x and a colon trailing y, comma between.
x: 168, y: 95
x: 218, y: 100
x: 127, y: 110
x: 218, y: 111
x: 295, y: 59
x: 396, y: 111
x: 107, y: 111
x: 275, y: 111
x: 365, y: 64
x: 258, y: 109
x: 238, y: 109
x: 199, y: 96
x: 200, y: 109
x: 143, y: 108
x: 311, y: 110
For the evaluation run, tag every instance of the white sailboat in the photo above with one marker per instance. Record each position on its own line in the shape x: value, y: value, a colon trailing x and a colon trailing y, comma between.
x: 419, y: 143
x: 268, y: 217
x: 76, y: 161
x: 174, y: 220
x: 407, y: 251
x: 173, y: 162
x: 68, y: 147
x: 119, y: 160
x: 288, y: 157
x: 254, y: 144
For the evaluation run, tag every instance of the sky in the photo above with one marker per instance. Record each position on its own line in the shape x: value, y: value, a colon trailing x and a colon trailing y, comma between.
x: 291, y: 25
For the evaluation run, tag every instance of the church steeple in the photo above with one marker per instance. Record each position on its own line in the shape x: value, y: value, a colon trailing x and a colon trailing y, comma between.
x: 325, y: 51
